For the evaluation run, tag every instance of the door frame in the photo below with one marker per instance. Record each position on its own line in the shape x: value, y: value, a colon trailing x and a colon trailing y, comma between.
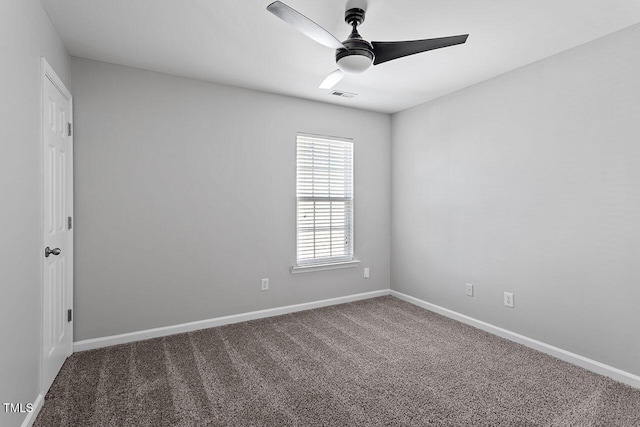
x: 48, y: 73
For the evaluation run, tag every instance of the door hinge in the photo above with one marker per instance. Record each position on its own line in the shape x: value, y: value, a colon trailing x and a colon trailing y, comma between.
x: 70, y: 128
x: 69, y: 223
x: 69, y: 315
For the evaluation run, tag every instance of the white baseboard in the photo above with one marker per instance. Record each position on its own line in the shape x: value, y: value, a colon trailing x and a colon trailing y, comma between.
x: 94, y: 343
x: 567, y: 356
x: 584, y: 362
x: 31, y: 416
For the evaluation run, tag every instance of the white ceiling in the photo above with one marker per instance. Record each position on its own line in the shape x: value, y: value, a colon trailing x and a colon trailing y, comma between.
x: 239, y: 43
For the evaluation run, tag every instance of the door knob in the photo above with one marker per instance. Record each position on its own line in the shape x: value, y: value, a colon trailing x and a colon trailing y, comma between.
x: 48, y: 251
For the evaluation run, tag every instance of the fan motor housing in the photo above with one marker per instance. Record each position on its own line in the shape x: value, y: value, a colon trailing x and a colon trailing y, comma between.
x: 357, y: 59
x: 358, y: 55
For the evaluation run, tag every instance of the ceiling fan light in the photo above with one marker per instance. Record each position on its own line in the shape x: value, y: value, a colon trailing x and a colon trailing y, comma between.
x: 354, y: 64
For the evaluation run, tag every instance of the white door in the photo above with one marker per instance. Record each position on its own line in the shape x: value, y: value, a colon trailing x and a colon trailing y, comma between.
x: 57, y: 248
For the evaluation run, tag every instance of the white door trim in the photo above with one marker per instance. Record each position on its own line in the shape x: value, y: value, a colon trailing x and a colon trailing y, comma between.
x: 48, y: 73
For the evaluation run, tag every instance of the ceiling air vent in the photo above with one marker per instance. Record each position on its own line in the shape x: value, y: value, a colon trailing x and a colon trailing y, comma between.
x: 342, y: 94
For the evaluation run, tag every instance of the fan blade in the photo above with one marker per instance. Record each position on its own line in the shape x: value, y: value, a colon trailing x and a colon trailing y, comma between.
x: 305, y: 25
x: 332, y: 79
x: 386, y: 51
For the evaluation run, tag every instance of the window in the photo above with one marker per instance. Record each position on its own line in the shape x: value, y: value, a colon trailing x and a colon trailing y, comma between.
x: 324, y: 189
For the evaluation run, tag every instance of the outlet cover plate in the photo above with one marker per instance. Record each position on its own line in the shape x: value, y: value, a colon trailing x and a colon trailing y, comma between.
x: 508, y: 299
x: 469, y: 290
x: 265, y: 285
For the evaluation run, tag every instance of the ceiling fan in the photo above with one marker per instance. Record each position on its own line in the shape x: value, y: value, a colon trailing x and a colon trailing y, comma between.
x: 355, y: 55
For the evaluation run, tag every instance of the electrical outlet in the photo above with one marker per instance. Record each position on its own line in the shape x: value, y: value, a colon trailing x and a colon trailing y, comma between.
x: 469, y: 290
x: 265, y: 285
x: 366, y: 273
x: 508, y: 299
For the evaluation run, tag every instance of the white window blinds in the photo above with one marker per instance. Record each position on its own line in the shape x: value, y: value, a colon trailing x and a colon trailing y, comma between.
x: 325, y: 200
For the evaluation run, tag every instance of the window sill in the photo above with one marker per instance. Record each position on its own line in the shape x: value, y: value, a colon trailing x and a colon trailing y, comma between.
x: 322, y: 267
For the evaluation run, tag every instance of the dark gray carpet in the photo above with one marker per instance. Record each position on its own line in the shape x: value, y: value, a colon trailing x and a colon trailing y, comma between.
x: 369, y: 363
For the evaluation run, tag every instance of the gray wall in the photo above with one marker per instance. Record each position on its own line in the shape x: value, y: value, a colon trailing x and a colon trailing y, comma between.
x: 25, y: 35
x: 185, y: 199
x: 530, y: 183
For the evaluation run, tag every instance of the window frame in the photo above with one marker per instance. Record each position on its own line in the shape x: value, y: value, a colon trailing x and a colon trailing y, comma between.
x: 332, y: 262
